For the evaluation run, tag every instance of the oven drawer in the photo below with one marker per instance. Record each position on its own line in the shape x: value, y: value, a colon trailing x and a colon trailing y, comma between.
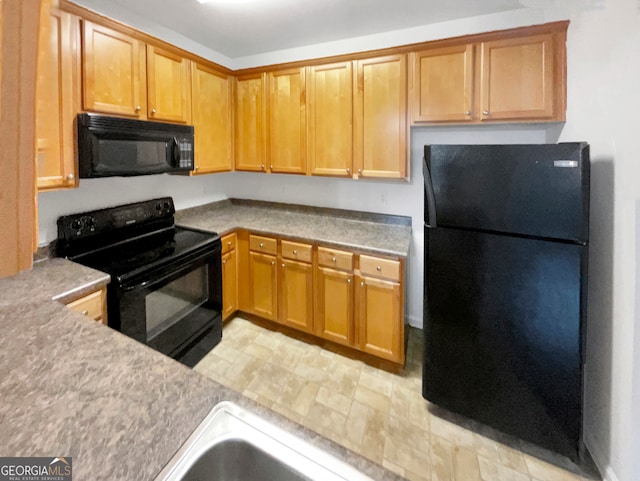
x: 378, y: 267
x: 296, y: 251
x: 335, y: 258
x: 91, y: 306
x: 266, y: 245
x: 229, y: 243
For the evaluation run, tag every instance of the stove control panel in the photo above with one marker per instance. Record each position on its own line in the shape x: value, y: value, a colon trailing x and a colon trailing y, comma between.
x: 114, y: 221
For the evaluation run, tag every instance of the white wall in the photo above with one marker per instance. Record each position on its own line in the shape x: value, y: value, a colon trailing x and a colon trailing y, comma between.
x: 603, y: 105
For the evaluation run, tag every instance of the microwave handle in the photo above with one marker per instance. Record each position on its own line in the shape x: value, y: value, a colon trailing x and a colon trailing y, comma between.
x: 175, y: 152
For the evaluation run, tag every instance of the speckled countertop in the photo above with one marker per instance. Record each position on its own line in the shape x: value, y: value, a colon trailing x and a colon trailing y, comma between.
x: 375, y: 233
x: 73, y: 387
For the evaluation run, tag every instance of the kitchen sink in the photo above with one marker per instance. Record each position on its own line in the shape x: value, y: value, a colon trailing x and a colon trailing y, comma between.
x: 234, y: 444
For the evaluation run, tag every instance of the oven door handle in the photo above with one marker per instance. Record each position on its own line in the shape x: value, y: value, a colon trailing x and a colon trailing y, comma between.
x: 139, y: 286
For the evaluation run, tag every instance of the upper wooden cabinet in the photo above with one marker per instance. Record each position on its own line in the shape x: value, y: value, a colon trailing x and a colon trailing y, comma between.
x: 212, y: 118
x: 443, y: 84
x: 286, y: 139
x: 168, y: 86
x: 330, y: 119
x: 518, y: 76
x: 57, y: 100
x: 114, y: 72
x: 380, y: 117
x: 250, y: 122
x: 518, y: 79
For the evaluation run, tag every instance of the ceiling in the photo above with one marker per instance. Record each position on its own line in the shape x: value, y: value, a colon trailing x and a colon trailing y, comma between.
x: 239, y: 28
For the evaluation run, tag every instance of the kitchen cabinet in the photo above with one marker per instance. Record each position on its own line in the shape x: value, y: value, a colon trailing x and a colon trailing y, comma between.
x: 334, y: 296
x: 330, y: 119
x: 380, y: 117
x: 57, y: 100
x: 295, y: 286
x: 513, y: 77
x: 114, y: 72
x: 286, y: 139
x: 250, y: 122
x: 263, y: 277
x: 229, y: 276
x: 168, y: 86
x: 93, y: 305
x: 443, y: 84
x: 379, y: 306
x: 212, y: 118
x: 518, y: 79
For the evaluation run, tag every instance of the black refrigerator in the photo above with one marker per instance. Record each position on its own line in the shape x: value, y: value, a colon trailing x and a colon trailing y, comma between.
x: 506, y: 240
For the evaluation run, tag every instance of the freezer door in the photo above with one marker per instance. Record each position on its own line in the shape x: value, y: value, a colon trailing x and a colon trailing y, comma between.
x: 535, y: 190
x: 503, y: 327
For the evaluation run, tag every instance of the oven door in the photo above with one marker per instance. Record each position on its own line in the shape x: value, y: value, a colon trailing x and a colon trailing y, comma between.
x: 174, y: 308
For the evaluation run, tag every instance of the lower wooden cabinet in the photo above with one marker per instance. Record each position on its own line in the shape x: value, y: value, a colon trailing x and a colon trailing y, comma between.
x: 262, y: 285
x: 92, y: 305
x: 334, y: 305
x: 295, y: 291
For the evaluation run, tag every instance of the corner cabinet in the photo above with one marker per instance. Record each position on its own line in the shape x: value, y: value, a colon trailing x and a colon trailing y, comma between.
x: 57, y: 100
x: 380, y: 117
x: 251, y: 122
x: 114, y: 72
x: 212, y: 118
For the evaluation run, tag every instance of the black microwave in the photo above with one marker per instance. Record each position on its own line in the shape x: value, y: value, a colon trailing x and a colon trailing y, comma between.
x: 111, y: 146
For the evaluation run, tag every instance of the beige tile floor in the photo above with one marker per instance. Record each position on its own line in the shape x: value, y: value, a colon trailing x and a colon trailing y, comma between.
x: 376, y: 413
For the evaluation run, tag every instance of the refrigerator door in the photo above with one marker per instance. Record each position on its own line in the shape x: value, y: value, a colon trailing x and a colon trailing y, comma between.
x: 503, y: 327
x: 532, y: 190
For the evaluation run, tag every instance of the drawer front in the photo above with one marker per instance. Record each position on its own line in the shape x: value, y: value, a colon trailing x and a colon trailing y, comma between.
x: 229, y: 243
x: 335, y: 258
x: 266, y: 245
x: 90, y: 306
x: 378, y: 267
x: 296, y: 251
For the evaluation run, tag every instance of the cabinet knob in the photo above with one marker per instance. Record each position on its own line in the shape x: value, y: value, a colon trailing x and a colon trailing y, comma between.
x: 271, y: 167
x: 361, y: 283
x: 283, y: 265
x: 359, y: 171
x: 261, y: 245
x: 333, y: 259
x: 229, y: 243
x: 138, y: 109
x: 85, y: 313
x: 295, y: 252
x: 378, y: 268
x: 71, y: 177
x: 262, y: 166
x: 273, y: 263
x: 153, y: 111
x: 468, y: 112
x: 348, y: 281
x: 348, y: 171
x: 485, y: 112
x: 224, y: 261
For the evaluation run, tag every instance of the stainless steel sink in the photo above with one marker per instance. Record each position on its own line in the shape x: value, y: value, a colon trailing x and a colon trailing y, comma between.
x: 233, y: 444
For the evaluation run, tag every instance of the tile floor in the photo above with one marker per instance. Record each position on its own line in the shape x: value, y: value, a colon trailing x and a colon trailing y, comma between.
x: 376, y: 413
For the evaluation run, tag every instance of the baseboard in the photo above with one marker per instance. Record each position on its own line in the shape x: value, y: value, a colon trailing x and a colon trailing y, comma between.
x: 602, y: 463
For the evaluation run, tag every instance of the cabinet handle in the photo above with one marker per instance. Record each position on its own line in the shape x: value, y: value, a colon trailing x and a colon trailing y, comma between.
x: 379, y: 268
x: 485, y: 112
x: 71, y: 177
x: 273, y: 263
x: 138, y: 109
x: 153, y: 111
x: 261, y: 245
x: 348, y: 281
x: 85, y: 313
x: 468, y: 112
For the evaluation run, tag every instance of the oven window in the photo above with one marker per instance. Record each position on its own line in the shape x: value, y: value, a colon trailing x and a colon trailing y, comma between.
x: 174, y: 301
x: 129, y: 155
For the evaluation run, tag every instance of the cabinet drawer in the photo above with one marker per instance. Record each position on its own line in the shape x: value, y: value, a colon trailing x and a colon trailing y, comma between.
x: 267, y: 245
x: 377, y: 267
x: 90, y: 306
x: 335, y: 258
x: 296, y: 251
x: 229, y: 243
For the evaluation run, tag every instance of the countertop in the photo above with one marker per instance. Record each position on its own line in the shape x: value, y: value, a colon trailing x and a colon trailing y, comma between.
x: 73, y: 387
x: 368, y: 232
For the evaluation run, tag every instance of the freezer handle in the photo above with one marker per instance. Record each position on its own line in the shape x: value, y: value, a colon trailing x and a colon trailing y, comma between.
x: 430, y: 220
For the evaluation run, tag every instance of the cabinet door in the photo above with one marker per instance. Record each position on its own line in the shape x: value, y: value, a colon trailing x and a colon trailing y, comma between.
x: 114, y: 72
x: 212, y: 120
x: 334, y: 305
x: 229, y: 284
x: 57, y: 100
x: 295, y: 288
x: 262, y: 278
x: 380, y: 318
x: 286, y: 139
x: 250, y: 122
x: 168, y: 86
x: 330, y: 117
x: 442, y: 84
x: 518, y: 78
x: 380, y: 117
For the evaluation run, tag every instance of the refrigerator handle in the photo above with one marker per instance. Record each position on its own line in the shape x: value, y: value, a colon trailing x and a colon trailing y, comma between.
x: 430, y: 221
